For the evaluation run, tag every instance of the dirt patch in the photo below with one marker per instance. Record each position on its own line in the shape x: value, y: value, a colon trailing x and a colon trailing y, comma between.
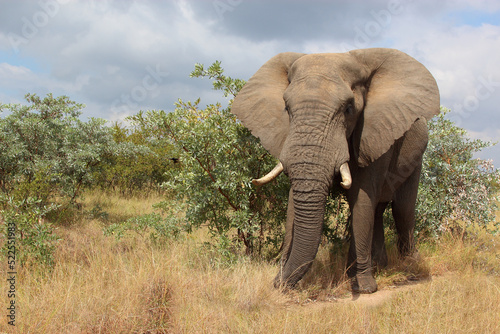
x: 370, y: 300
x: 379, y: 297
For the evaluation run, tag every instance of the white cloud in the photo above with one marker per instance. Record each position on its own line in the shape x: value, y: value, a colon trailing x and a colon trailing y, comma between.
x: 17, y: 78
x: 9, y: 72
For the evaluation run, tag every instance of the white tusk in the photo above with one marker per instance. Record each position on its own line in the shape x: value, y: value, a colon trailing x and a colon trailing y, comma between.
x: 270, y: 176
x: 346, y: 176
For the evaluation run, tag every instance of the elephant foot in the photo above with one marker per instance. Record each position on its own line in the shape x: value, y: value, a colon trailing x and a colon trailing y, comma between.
x: 412, y: 257
x: 380, y: 260
x: 363, y: 284
x: 278, y: 283
x: 282, y: 284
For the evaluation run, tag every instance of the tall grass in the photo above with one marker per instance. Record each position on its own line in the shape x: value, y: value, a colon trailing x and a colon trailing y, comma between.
x: 101, y: 285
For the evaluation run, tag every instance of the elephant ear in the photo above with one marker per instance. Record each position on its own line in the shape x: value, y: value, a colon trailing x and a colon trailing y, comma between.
x: 400, y: 91
x: 260, y: 105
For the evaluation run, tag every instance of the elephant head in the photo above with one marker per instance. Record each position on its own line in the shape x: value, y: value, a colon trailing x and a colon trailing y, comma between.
x: 316, y: 113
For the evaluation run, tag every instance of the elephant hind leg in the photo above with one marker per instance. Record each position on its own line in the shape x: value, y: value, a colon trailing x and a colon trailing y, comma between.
x: 379, y: 252
x: 403, y: 210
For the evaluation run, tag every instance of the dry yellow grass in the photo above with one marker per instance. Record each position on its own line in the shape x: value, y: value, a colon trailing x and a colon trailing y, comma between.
x: 101, y: 285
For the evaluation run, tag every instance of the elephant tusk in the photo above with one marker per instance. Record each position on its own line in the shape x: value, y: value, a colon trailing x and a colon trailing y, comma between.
x: 345, y: 173
x: 269, y: 176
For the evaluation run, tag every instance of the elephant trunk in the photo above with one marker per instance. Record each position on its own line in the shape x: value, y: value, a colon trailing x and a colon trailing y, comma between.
x: 309, y: 199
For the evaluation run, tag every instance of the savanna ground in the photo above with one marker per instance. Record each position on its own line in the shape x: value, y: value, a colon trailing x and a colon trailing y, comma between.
x: 103, y: 285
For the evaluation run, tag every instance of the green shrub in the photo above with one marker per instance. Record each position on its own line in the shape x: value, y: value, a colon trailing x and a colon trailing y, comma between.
x: 34, y: 238
x: 148, y: 168
x: 159, y: 226
x: 456, y: 190
x: 219, y: 159
x: 49, y: 155
x: 47, y: 151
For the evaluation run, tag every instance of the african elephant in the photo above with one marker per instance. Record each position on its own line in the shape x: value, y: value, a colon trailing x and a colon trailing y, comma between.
x: 361, y: 115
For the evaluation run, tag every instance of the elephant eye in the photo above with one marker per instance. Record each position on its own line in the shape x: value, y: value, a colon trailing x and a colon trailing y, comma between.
x: 349, y: 108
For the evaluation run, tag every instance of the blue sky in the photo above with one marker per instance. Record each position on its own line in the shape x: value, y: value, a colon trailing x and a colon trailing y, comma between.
x: 119, y: 57
x: 473, y: 17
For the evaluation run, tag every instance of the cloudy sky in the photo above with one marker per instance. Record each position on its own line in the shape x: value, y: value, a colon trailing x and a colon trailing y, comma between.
x: 119, y: 57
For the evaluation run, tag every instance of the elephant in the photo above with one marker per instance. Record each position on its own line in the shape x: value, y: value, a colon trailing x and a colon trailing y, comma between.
x: 358, y: 118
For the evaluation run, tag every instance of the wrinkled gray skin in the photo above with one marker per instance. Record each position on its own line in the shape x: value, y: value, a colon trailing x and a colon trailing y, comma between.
x: 315, y: 112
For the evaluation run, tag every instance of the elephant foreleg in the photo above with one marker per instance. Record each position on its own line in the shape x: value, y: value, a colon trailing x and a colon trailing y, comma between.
x: 360, y: 260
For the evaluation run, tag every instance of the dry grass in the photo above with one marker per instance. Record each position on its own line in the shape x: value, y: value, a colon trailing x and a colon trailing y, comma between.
x: 101, y: 285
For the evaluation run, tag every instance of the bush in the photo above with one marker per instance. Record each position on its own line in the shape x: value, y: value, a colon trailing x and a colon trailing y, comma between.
x: 48, y: 156
x: 34, y: 238
x: 156, y: 226
x: 456, y: 190
x: 48, y: 152
x: 148, y: 168
x: 219, y: 159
